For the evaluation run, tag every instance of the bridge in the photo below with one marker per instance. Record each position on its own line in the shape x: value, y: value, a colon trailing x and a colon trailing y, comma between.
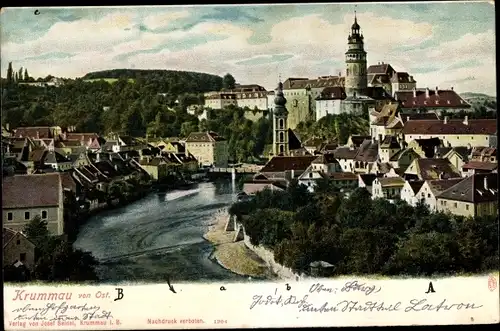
x: 250, y: 169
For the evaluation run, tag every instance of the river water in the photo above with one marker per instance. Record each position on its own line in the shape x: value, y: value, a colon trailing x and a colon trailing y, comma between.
x: 159, y: 237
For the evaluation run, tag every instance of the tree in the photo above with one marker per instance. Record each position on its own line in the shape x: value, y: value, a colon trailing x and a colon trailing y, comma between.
x: 228, y: 82
x: 26, y: 76
x: 36, y: 230
x: 10, y: 74
x: 20, y: 75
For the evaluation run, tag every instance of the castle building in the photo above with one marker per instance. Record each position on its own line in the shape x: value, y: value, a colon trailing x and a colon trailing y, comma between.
x: 280, y: 126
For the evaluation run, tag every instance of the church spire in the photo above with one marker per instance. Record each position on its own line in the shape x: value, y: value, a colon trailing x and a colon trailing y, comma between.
x: 279, y: 100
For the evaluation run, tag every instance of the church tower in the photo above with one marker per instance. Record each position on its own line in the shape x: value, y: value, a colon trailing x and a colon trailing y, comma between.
x: 280, y: 125
x: 355, y: 58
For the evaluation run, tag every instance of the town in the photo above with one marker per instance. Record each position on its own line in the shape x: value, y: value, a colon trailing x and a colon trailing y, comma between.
x: 320, y: 151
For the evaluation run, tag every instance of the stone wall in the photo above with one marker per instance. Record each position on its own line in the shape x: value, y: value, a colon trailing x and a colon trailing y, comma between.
x: 268, y: 256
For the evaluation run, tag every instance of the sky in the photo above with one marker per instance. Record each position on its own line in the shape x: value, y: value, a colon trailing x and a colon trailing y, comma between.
x: 440, y: 44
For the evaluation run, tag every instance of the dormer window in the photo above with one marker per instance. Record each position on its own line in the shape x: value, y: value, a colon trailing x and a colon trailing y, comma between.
x: 448, y: 102
x: 437, y: 102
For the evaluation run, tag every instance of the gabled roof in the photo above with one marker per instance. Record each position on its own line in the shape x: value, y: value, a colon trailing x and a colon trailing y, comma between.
x: 415, y: 185
x: 391, y: 181
x: 401, y: 77
x: 8, y: 234
x: 180, y: 147
x: 478, y: 165
x: 339, y: 176
x: 476, y: 188
x: 106, y: 168
x: 325, y: 159
x: 346, y: 153
x: 284, y: 163
x: 381, y: 68
x: 54, y: 157
x: 390, y: 142
x: 332, y: 93
x: 37, y: 132
x: 357, y: 140
x: 37, y: 155
x: 30, y: 191
x: 440, y: 185
x: 483, y: 151
x: 429, y: 169
x: 154, y: 162
x: 367, y: 152
x: 367, y: 178
x: 208, y: 136
x: 436, y: 127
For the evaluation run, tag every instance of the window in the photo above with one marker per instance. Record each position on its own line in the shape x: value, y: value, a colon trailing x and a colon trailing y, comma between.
x: 466, y: 207
x: 310, y: 175
x: 22, y: 257
x: 9, y: 216
x: 455, y: 205
x: 18, y: 242
x: 44, y: 214
x: 27, y: 215
x: 428, y: 195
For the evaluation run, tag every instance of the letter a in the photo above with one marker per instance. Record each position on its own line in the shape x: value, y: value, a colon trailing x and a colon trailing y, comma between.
x: 430, y: 289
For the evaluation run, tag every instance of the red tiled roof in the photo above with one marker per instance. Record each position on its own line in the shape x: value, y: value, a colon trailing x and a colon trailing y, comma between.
x: 440, y: 185
x: 208, y: 136
x: 385, y: 68
x: 81, y: 136
x: 67, y: 181
x: 284, y: 163
x: 443, y: 99
x: 30, y: 191
x: 434, y: 168
x: 436, y: 127
x: 37, y: 132
x: 489, y: 166
x: 391, y: 181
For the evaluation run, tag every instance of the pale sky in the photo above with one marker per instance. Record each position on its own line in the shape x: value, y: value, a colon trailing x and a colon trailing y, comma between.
x: 440, y: 44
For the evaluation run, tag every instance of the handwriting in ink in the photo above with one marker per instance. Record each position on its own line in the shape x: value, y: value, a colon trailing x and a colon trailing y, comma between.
x: 319, y: 288
x: 119, y: 295
x: 37, y: 12
x: 422, y: 305
x: 62, y: 311
x: 355, y: 286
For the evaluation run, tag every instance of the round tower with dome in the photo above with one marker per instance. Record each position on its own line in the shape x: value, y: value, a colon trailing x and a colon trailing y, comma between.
x: 355, y: 58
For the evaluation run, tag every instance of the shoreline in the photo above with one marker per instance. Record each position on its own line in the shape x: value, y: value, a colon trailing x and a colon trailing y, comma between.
x: 234, y: 256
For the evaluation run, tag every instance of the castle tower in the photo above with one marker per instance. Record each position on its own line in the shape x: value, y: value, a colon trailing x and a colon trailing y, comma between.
x: 280, y: 125
x: 355, y: 58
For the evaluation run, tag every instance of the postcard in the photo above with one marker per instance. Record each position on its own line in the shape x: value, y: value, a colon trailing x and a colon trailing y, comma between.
x: 246, y: 166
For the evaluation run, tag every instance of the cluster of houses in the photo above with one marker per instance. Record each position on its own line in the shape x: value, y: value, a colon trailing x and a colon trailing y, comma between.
x: 48, y: 170
x: 448, y: 164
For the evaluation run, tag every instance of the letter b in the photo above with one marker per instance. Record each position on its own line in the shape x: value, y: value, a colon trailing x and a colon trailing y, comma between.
x: 119, y: 295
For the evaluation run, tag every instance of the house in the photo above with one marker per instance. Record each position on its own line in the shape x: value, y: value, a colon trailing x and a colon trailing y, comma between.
x: 27, y: 196
x: 17, y: 248
x: 410, y: 190
x: 402, y: 159
x: 478, y: 167
x: 484, y: 154
x: 432, y: 188
x: 426, y: 148
x: 329, y: 101
x: 189, y: 162
x: 385, y: 121
x: 388, y: 147
x: 310, y: 176
x: 344, y: 181
x: 256, y: 185
x: 476, y: 195
x: 326, y: 163
x: 38, y: 132
x: 156, y: 167
x: 380, y: 75
x: 345, y: 156
x: 356, y: 140
x: 173, y: 147
x: 453, y: 132
x: 387, y: 188
x: 209, y: 148
x: 457, y: 156
x: 286, y: 167
x: 402, y: 81
x: 431, y: 100
x: 367, y: 156
x: 313, y: 145
x: 366, y: 181
x: 429, y: 169
x: 34, y: 160
x: 57, y: 161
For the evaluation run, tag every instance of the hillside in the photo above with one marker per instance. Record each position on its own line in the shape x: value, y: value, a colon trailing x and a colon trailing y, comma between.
x: 194, y: 82
x: 472, y: 95
x: 480, y: 101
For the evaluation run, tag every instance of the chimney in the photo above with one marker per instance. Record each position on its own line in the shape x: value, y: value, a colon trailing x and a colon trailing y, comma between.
x: 427, y: 92
x: 445, y: 120
x: 435, y: 151
x: 411, y: 79
x: 38, y: 135
x: 452, y: 88
x: 340, y: 74
x: 466, y: 120
x: 7, y: 126
x: 98, y: 157
x: 293, y: 174
x: 414, y: 92
x: 407, y: 118
x: 486, y: 182
x: 437, y: 91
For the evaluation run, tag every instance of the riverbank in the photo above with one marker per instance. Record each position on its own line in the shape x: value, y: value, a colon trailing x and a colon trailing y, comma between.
x: 234, y: 256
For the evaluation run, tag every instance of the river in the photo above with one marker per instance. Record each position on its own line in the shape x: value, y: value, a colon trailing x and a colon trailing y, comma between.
x: 158, y: 236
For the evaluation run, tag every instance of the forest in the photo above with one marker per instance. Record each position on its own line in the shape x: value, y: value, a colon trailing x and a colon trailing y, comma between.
x: 358, y: 235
